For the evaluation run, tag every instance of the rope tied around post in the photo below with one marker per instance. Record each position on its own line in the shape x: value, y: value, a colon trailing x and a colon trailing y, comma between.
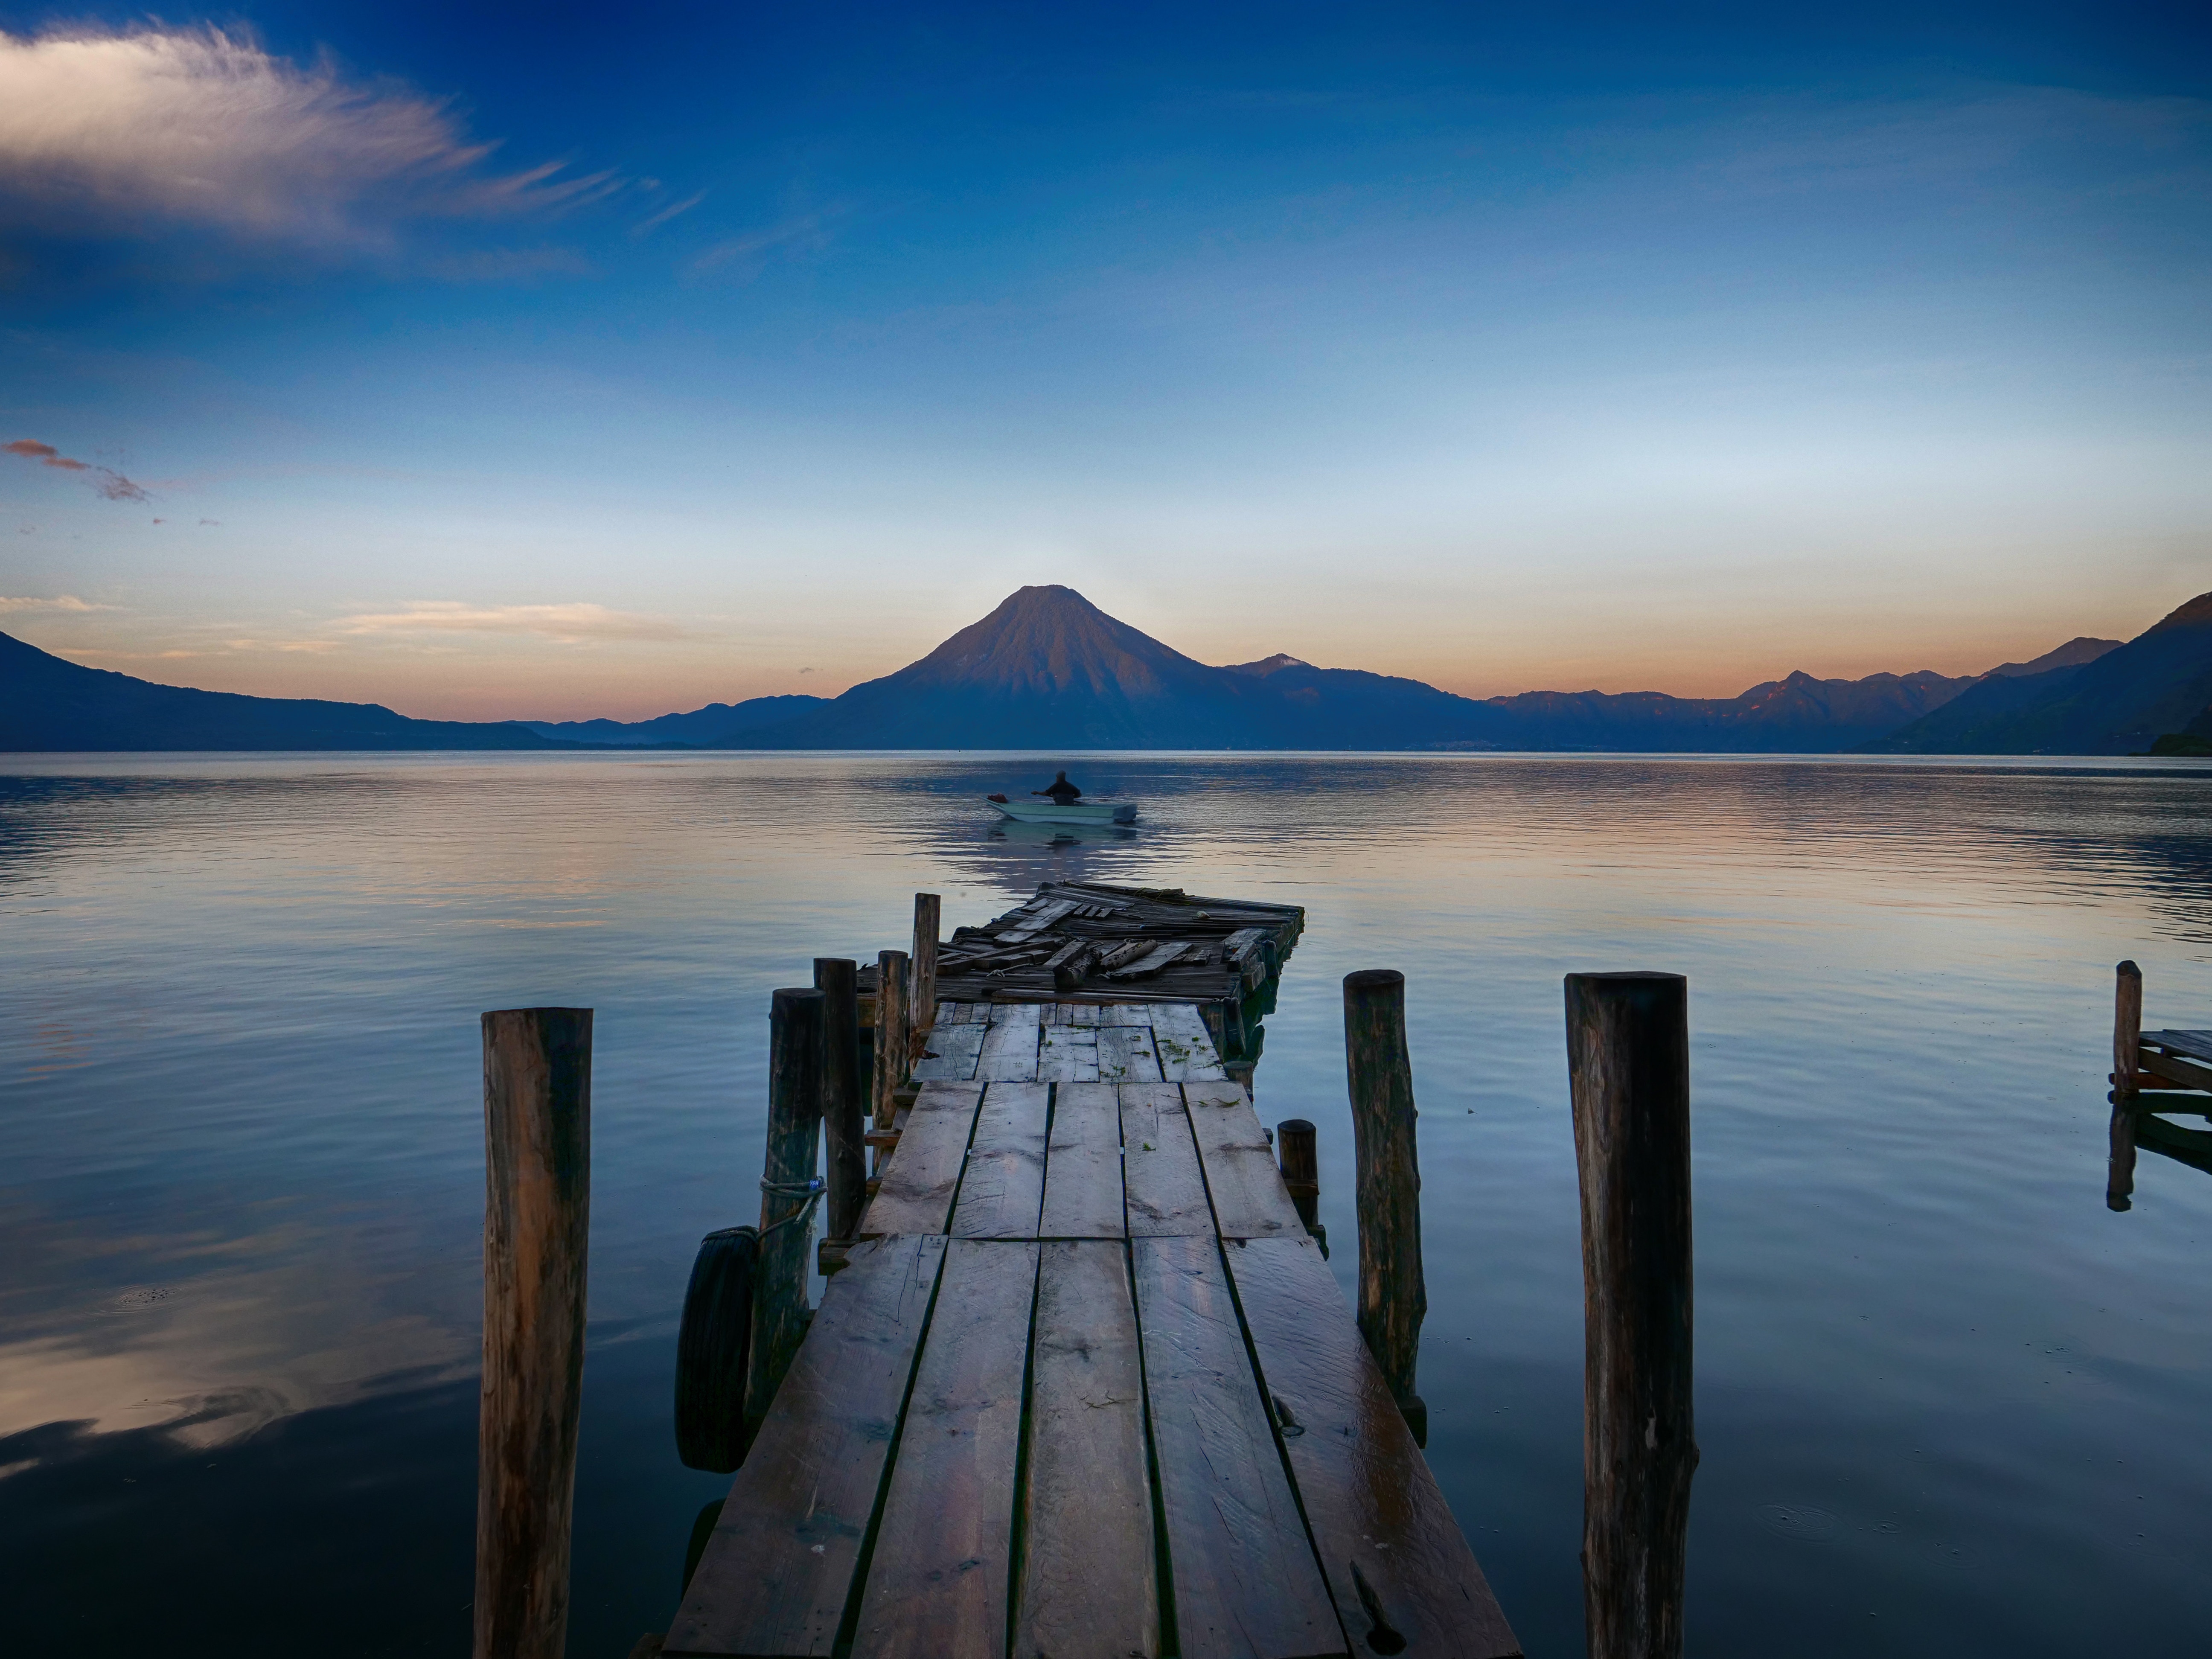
x: 812, y: 1191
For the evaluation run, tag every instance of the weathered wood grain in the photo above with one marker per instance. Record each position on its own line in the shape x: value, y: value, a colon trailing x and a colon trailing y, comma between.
x: 776, y: 1576
x: 921, y: 973
x: 1080, y: 1013
x: 537, y: 1210
x: 1184, y: 1046
x: 949, y: 1055
x: 2196, y: 1044
x: 1394, y: 1298
x: 1397, y: 1565
x: 1249, y: 1198
x: 780, y: 1263
x: 1003, y: 1187
x: 1164, y: 1189
x: 2127, y: 1025
x: 1069, y: 1053
x: 1127, y: 1013
x: 844, y: 1114
x: 1628, y: 1073
x: 1009, y: 1054
x: 938, y: 1583
x: 1087, y: 1580
x: 894, y: 1033
x: 1083, y: 1169
x: 919, y: 1183
x: 1125, y: 1055
x: 1246, y: 1584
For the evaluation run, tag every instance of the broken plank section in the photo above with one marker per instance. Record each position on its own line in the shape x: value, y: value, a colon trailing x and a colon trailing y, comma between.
x: 949, y: 1054
x: 1087, y: 1584
x: 938, y: 1580
x: 1010, y: 1049
x: 1165, y: 1193
x: 1184, y: 1046
x: 924, y: 1171
x: 1399, y: 1568
x: 1245, y: 1583
x: 1003, y: 1187
x: 1083, y: 1169
x: 1249, y: 1198
x: 1125, y: 1055
x: 778, y: 1570
x: 1069, y: 1055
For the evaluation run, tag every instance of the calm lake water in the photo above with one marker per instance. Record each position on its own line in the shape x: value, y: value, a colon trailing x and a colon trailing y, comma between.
x: 1949, y: 1402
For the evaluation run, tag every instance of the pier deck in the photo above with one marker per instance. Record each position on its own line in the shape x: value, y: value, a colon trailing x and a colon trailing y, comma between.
x: 1084, y: 1388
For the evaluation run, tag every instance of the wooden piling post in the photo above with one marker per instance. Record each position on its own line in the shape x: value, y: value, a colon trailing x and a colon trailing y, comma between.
x: 893, y: 1034
x: 538, y: 1200
x: 844, y: 1113
x: 2120, y: 1164
x: 921, y: 984
x: 1299, y: 1158
x: 1628, y: 1071
x: 795, y: 1116
x: 1393, y: 1297
x: 2127, y: 1029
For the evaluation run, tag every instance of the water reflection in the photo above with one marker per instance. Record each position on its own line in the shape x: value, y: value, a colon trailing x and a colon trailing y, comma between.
x: 241, y: 1159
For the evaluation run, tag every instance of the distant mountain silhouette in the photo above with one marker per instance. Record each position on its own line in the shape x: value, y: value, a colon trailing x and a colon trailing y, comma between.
x: 2116, y: 702
x: 710, y: 724
x: 1049, y: 670
x: 48, y: 703
x: 2076, y: 651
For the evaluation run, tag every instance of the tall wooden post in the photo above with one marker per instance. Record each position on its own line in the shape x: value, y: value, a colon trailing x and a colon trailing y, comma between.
x: 2127, y: 1029
x: 921, y: 984
x: 1628, y: 1070
x: 794, y: 1118
x: 1393, y: 1297
x: 843, y: 1111
x: 537, y: 1206
x: 892, y: 1034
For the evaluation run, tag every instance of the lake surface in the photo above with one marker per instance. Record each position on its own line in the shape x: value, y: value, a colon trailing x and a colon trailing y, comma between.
x: 1949, y: 1401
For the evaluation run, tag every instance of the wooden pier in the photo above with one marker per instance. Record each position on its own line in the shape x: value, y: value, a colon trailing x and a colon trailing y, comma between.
x: 1084, y: 1388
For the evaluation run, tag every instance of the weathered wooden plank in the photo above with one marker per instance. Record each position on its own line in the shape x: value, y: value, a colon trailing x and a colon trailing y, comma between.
x: 2176, y: 1068
x: 938, y: 1580
x: 778, y: 1570
x: 1165, y: 1193
x: 924, y: 1172
x: 1396, y: 1562
x: 1245, y: 1582
x: 2197, y: 1044
x: 1080, y: 1013
x: 1036, y: 920
x: 1087, y: 1581
x: 1127, y: 1013
x: 1125, y: 1055
x: 1009, y: 1053
x: 1083, y: 1170
x: 1017, y: 1014
x: 1069, y: 1053
x: 1003, y: 1187
x: 1152, y: 961
x: 950, y: 1054
x: 1183, y: 1045
x: 1249, y: 1198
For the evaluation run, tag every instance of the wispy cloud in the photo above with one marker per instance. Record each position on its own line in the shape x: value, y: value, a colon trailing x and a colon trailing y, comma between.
x: 567, y: 624
x: 68, y: 602
x: 746, y: 256
x: 105, y: 479
x: 159, y: 125
x: 646, y: 226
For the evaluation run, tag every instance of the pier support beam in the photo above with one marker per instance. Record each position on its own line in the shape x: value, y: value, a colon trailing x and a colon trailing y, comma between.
x: 893, y: 1034
x: 537, y: 1192
x: 2127, y: 1030
x: 794, y: 1117
x: 844, y: 1111
x: 921, y: 989
x: 1394, y: 1298
x: 1628, y: 1068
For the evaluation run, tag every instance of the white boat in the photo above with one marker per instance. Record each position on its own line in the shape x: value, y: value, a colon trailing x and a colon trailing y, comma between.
x: 1076, y: 811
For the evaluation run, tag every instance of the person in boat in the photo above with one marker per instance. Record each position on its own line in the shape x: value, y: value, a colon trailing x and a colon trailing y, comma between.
x: 1063, y: 792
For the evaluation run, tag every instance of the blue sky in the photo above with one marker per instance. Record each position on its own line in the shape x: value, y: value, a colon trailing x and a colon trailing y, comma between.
x: 544, y: 363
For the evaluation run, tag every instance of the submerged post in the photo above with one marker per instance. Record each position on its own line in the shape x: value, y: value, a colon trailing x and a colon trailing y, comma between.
x: 2120, y: 1163
x: 892, y: 1034
x: 1393, y: 1297
x: 1628, y: 1070
x: 795, y: 1114
x: 2127, y: 1029
x: 843, y: 1113
x: 921, y: 987
x: 537, y: 1193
